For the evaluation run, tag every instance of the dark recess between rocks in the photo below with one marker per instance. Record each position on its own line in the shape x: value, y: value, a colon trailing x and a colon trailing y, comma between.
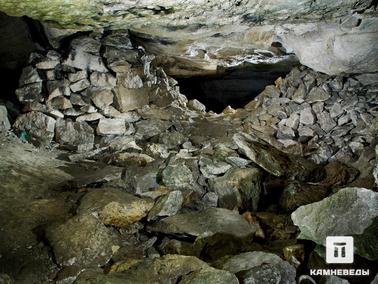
x: 234, y: 88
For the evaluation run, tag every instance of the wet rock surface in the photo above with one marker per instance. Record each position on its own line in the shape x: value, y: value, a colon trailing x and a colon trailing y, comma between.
x: 110, y: 175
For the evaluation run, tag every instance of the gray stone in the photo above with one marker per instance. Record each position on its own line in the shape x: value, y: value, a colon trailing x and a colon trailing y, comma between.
x: 39, y: 125
x: 58, y: 88
x: 102, y: 98
x: 73, y: 112
x: 293, y: 121
x: 336, y: 110
x: 115, y: 207
x: 306, y: 116
x: 167, y: 205
x: 78, y: 100
x: 317, y: 94
x: 59, y: 103
x: 172, y: 139
x: 4, y: 121
x: 318, y: 107
x: 299, y: 94
x: 336, y: 84
x: 207, y: 226
x: 264, y: 273
x: 237, y: 161
x: 74, y: 135
x: 325, y: 121
x: 47, y: 64
x: 376, y: 166
x: 238, y: 188
x: 351, y: 211
x: 83, y: 241
x: 30, y: 93
x: 130, y: 94
x: 84, y: 55
x: 210, y: 199
x: 77, y: 76
x: 150, y: 128
x: 91, y: 110
x: 210, y: 275
x: 103, y: 80
x: 212, y: 167
x: 343, y: 119
x: 80, y: 85
x: 254, y: 260
x: 90, y: 117
x: 285, y: 132
x: 111, y: 126
x: 305, y: 133
x: 272, y: 160
x: 29, y: 75
x: 178, y: 177
x: 368, y: 79
x: 196, y: 105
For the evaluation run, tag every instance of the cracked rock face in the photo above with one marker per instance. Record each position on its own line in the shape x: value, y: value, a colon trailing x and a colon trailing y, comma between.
x: 201, y: 36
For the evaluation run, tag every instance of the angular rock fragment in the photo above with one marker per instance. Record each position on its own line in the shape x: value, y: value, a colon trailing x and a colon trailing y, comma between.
x: 167, y: 205
x: 4, y: 121
x: 178, y: 177
x: 115, y: 207
x: 238, y: 188
x: 90, y: 117
x: 28, y: 76
x: 325, y: 121
x: 59, y: 103
x: 82, y: 240
x: 102, y: 98
x: 77, y: 76
x: 74, y: 135
x: 30, y: 93
x: 210, y: 275
x: 57, y: 89
x: 351, y: 211
x: 306, y: 116
x: 39, y: 125
x: 252, y: 263
x: 111, y: 126
x: 212, y: 227
x: 196, y: 105
x: 317, y: 94
x: 103, y: 80
x: 79, y: 85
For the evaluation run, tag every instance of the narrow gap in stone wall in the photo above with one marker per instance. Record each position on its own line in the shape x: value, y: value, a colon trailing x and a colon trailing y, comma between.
x: 234, y: 88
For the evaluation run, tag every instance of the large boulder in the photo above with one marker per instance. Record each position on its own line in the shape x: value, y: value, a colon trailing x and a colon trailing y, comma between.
x: 351, y: 211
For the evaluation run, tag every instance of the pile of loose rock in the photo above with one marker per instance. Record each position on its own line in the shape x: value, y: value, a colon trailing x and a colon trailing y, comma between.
x: 334, y: 117
x: 74, y: 98
x: 156, y: 190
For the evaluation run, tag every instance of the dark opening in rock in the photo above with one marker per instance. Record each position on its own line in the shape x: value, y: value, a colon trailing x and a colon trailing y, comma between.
x: 234, y: 88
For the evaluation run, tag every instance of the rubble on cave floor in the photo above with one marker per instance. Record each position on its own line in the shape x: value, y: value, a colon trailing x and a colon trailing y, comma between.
x: 128, y: 182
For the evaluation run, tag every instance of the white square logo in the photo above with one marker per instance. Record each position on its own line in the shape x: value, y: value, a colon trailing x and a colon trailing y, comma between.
x: 339, y: 250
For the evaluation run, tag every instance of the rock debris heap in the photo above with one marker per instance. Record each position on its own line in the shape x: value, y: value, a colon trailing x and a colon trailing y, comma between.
x: 157, y: 190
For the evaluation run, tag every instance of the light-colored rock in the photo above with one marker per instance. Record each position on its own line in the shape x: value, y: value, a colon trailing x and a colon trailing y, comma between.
x: 111, y: 126
x: 349, y: 212
x: 178, y: 176
x: 4, y: 121
x: 306, y: 116
x: 115, y: 207
x: 196, y: 105
x: 90, y: 117
x: 80, y: 85
x: 325, y: 121
x: 167, y: 205
x: 102, y: 98
x: 253, y: 260
x: 376, y: 166
x: 39, y: 125
x: 30, y: 93
x: 59, y: 103
x: 29, y: 75
x: 74, y: 135
x: 82, y: 240
x: 238, y: 188
x: 293, y: 121
x: 77, y: 76
x: 103, y: 80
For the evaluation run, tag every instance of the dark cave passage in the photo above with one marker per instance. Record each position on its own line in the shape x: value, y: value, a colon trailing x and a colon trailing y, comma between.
x: 235, y: 88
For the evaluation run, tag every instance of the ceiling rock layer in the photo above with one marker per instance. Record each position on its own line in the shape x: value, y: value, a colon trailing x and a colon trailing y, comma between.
x: 201, y: 37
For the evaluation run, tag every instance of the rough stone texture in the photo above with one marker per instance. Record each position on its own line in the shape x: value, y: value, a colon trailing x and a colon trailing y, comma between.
x: 167, y: 205
x: 238, y: 188
x: 166, y: 269
x: 4, y: 121
x: 349, y: 212
x: 254, y: 260
x: 82, y: 240
x: 210, y: 275
x: 115, y: 207
x: 376, y: 166
x: 39, y: 125
x: 74, y: 135
x: 102, y: 98
x: 238, y: 28
x: 111, y: 126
